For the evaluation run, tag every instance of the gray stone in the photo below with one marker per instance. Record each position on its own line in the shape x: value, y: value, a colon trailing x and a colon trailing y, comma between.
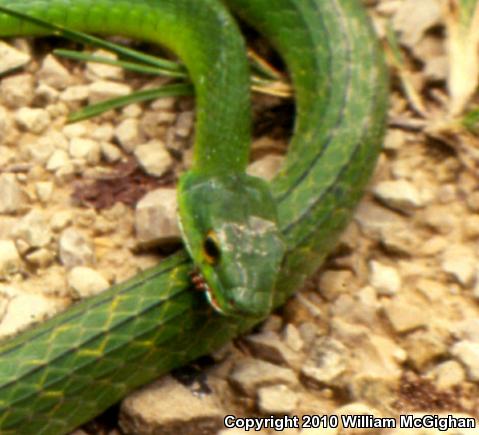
x: 268, y: 346
x: 10, y: 261
x: 106, y: 89
x: 75, y: 249
x: 327, y: 362
x: 54, y: 74
x: 17, y: 90
x: 24, y: 308
x: 168, y: 408
x: 467, y: 352
x: 33, y: 230
x: 404, y: 316
x: 155, y: 217
x: 33, y: 120
x: 250, y: 374
x: 267, y: 167
x: 11, y: 58
x: 86, y: 281
x: 399, y: 195
x: 277, y: 399
x: 385, y: 279
x: 154, y: 157
x: 12, y: 197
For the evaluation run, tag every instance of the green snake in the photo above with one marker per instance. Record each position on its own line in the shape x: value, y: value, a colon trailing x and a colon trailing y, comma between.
x: 254, y: 243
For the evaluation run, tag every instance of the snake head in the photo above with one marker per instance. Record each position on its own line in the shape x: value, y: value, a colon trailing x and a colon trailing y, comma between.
x: 229, y: 226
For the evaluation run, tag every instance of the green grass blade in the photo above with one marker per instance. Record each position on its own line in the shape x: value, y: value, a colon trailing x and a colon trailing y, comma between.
x: 130, y: 66
x: 84, y: 38
x: 174, y: 90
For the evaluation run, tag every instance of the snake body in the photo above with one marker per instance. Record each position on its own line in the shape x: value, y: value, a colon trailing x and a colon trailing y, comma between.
x: 61, y: 373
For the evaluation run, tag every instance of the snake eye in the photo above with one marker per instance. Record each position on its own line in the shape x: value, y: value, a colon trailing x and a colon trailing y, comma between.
x: 211, y: 249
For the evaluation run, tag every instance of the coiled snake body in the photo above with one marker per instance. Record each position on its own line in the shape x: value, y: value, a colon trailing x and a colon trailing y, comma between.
x: 254, y: 249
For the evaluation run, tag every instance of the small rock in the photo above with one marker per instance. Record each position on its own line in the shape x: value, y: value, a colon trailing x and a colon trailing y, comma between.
x: 75, y: 94
x: 12, y: 197
x: 33, y: 120
x: 377, y: 357
x: 75, y: 249
x: 154, y: 158
x: 432, y: 246
x: 333, y: 283
x: 86, y: 149
x: 399, y: 195
x: 471, y: 227
x: 386, y: 280
x: 58, y: 160
x: 155, y: 217
x: 54, y: 74
x: 102, y: 133
x: 268, y: 346
x: 423, y: 347
x: 44, y: 191
x: 167, y: 407
x: 434, y: 291
x: 267, y: 167
x: 128, y: 134
x: 448, y: 374
x: 440, y: 219
x: 414, y: 18
x: 7, y: 155
x: 467, y: 352
x: 404, y: 316
x: 272, y: 323
x: 104, y: 71
x: 10, y: 261
x: 437, y: 69
x: 133, y: 110
x: 394, y: 140
x: 447, y: 193
x: 86, y: 281
x: 459, y: 261
x: 33, y: 230
x: 46, y: 95
x: 399, y: 239
x: 467, y: 329
x: 309, y: 332
x: 18, y: 90
x: 292, y: 337
x: 184, y: 123
x: 375, y: 221
x: 42, y: 149
x: 110, y: 152
x: 11, y: 58
x: 104, y: 89
x: 353, y: 309
x: 277, y: 399
x: 61, y: 220
x: 77, y: 130
x: 327, y: 362
x: 40, y: 257
x: 250, y: 374
x: 161, y: 104
x: 23, y: 309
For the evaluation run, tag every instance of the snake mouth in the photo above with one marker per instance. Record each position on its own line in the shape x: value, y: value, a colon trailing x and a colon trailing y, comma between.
x: 212, y: 300
x: 201, y: 285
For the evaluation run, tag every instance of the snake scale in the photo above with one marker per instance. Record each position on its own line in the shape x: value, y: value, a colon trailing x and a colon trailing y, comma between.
x: 61, y: 373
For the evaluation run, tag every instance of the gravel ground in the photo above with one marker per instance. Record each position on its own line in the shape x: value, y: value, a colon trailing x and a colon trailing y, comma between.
x: 389, y: 326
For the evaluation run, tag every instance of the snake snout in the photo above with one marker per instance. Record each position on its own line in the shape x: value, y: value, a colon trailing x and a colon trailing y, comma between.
x: 246, y: 302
